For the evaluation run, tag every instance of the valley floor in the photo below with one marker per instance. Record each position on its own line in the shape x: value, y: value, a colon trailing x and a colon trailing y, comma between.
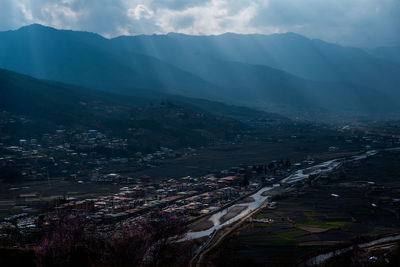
x: 359, y: 201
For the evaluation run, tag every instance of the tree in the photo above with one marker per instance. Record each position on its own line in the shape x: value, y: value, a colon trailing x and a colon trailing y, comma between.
x: 123, y: 248
x: 156, y: 239
x: 287, y: 164
x: 166, y: 232
x: 271, y: 166
x: 64, y: 242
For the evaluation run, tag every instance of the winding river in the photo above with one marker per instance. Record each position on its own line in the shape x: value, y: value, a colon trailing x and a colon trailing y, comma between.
x: 259, y: 197
x: 216, y: 218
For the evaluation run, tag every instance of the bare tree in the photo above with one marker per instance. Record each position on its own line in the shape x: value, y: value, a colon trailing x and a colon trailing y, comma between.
x: 154, y: 240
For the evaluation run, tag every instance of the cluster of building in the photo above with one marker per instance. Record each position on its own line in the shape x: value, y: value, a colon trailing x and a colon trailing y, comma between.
x: 74, y: 154
x: 90, y: 155
x: 188, y: 196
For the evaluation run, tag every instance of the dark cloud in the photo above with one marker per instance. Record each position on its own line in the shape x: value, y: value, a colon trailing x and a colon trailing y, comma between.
x: 355, y: 22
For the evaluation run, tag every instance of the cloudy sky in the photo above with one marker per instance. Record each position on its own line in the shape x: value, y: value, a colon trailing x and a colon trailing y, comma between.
x: 348, y: 22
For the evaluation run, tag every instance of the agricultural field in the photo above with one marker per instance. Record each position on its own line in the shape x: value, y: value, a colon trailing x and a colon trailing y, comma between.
x: 200, y: 162
x: 360, y: 201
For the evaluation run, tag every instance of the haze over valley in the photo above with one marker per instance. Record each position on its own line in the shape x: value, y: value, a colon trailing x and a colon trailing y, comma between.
x: 281, y: 73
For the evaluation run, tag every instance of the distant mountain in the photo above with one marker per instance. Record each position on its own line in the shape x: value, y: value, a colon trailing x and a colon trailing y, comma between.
x: 86, y: 59
x: 310, y: 59
x: 284, y: 73
x: 387, y: 53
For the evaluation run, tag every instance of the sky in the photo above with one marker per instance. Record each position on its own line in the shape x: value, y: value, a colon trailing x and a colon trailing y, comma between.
x: 363, y: 23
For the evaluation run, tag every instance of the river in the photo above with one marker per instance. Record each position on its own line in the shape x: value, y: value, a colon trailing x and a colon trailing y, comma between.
x: 259, y: 199
x: 216, y: 218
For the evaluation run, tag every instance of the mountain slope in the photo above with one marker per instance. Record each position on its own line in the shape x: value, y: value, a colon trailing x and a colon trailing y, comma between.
x: 387, y: 53
x: 225, y: 60
x: 85, y: 59
x: 46, y: 106
x: 293, y: 53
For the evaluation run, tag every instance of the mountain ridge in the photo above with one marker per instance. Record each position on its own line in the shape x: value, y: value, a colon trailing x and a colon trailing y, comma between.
x: 251, y: 70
